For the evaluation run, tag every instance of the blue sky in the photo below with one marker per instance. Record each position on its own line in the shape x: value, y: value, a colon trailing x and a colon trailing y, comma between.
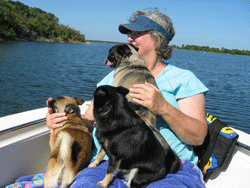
x: 214, y: 23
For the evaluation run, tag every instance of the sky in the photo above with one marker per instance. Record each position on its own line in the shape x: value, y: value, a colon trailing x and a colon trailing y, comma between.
x: 213, y: 23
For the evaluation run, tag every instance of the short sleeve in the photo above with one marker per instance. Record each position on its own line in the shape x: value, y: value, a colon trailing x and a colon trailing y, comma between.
x: 180, y: 83
x: 187, y: 84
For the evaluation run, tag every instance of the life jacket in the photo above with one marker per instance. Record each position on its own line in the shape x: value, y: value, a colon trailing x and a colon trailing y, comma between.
x: 217, y: 149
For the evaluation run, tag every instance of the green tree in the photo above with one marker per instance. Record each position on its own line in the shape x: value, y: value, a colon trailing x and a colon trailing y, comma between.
x: 8, y: 21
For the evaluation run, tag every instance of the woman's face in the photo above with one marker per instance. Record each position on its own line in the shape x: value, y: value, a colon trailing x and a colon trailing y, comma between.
x: 143, y: 41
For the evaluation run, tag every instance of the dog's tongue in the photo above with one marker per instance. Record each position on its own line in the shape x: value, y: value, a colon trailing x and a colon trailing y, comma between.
x: 107, y: 63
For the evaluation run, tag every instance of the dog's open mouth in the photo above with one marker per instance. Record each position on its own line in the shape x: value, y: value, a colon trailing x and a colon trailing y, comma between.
x: 108, y: 63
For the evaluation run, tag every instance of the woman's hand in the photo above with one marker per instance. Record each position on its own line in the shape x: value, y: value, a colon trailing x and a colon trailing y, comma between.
x: 54, y: 120
x: 149, y: 96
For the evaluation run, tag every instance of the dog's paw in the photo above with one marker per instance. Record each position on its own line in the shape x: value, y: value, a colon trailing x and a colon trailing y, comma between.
x: 94, y: 164
x: 102, y: 184
x: 125, y: 183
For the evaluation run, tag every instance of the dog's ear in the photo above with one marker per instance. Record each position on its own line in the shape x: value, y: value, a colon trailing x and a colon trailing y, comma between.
x: 79, y: 101
x: 122, y: 90
x: 101, y: 91
x: 70, y: 109
x: 124, y: 50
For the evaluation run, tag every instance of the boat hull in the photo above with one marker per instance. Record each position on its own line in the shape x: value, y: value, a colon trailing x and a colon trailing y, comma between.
x: 24, y: 158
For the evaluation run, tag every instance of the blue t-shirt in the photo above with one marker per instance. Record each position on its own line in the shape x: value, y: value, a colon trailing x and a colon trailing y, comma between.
x: 174, y: 83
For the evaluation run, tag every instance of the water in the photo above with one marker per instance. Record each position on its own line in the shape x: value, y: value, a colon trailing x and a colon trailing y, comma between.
x: 31, y: 72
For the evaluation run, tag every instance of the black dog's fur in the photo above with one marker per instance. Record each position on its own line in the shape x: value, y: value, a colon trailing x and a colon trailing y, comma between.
x: 128, y: 141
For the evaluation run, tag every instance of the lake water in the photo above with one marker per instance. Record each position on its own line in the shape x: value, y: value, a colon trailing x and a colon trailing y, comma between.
x: 31, y: 72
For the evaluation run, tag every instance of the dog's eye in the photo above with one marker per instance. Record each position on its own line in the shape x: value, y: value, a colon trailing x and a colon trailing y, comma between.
x: 112, y: 56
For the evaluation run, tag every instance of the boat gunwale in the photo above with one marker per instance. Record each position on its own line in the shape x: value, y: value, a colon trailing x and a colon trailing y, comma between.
x: 242, y: 145
x: 39, y: 117
x: 21, y: 126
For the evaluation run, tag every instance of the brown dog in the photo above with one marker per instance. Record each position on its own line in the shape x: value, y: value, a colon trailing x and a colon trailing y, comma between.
x: 71, y: 146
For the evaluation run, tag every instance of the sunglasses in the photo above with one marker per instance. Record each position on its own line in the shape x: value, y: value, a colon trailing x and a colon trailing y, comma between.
x: 137, y: 33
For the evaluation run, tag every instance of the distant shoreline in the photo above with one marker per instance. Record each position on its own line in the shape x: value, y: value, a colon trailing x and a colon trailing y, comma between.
x: 42, y: 39
x: 99, y: 41
x: 212, y: 52
x: 184, y: 48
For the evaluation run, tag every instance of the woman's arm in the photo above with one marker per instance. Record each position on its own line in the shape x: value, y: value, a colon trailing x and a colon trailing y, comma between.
x: 189, y: 122
x: 88, y: 117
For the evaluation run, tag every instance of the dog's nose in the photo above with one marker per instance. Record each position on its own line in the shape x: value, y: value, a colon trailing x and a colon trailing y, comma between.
x: 50, y: 103
x: 49, y: 100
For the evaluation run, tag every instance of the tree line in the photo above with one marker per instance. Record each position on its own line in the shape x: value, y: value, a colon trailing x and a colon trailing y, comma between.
x: 215, y: 50
x: 19, y: 21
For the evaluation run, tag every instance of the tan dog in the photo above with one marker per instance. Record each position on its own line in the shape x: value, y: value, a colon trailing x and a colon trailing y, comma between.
x: 130, y: 70
x: 71, y: 146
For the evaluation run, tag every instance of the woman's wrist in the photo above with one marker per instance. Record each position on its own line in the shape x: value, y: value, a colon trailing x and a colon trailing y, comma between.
x: 163, y: 110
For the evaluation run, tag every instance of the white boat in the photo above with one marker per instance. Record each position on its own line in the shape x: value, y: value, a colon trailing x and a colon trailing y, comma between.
x: 24, y: 150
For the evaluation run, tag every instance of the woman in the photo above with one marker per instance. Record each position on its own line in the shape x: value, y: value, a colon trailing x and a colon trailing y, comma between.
x: 179, y: 99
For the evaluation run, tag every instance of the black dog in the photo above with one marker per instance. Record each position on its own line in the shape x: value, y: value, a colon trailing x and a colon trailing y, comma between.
x: 128, y: 141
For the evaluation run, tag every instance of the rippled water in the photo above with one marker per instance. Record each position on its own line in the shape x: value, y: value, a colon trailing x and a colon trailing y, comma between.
x: 31, y: 72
